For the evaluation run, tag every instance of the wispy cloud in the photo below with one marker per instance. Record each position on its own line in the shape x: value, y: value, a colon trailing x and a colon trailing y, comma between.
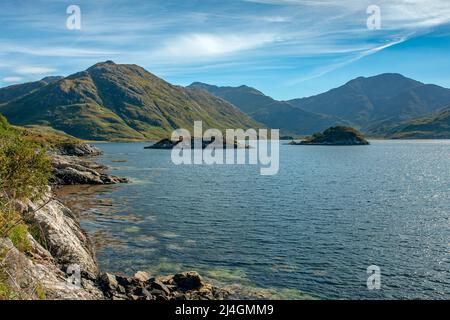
x: 34, y: 70
x: 12, y: 79
x: 54, y: 51
x: 204, y: 45
x: 306, y: 39
x: 332, y: 67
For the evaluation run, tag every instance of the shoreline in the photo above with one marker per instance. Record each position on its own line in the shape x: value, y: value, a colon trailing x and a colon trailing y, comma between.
x: 62, y: 262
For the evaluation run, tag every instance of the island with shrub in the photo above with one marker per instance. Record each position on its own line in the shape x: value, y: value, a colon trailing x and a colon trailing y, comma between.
x: 335, y: 136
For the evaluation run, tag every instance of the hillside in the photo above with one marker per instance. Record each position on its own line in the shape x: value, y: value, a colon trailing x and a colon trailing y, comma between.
x: 434, y: 126
x: 386, y: 98
x: 19, y: 90
x: 109, y: 101
x: 272, y: 113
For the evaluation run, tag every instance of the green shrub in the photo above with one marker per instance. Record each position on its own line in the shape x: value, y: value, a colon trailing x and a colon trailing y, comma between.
x: 3, y: 123
x: 24, y: 168
x: 19, y: 237
x: 24, y: 174
x: 6, y: 293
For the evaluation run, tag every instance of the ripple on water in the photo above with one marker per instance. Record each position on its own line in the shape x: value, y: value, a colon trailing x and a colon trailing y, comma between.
x: 315, y: 227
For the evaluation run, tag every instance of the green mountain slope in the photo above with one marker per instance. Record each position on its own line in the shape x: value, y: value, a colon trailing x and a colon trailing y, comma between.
x: 370, y: 102
x: 20, y: 90
x: 272, y: 113
x: 112, y: 102
x: 434, y: 126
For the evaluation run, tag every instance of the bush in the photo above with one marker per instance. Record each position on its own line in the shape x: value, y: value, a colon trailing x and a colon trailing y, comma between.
x: 24, y: 174
x: 24, y: 168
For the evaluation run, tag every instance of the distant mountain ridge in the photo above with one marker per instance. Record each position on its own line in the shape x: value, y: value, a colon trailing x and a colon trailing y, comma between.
x: 122, y: 102
x: 109, y: 101
x: 367, y: 102
x: 375, y: 105
x: 274, y: 114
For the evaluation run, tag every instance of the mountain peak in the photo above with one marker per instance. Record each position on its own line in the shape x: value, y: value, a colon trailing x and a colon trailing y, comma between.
x: 383, y: 77
x: 117, y: 101
x: 108, y: 63
x: 202, y: 85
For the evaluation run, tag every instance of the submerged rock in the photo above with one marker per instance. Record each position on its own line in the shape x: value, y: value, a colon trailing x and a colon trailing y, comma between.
x: 335, y: 136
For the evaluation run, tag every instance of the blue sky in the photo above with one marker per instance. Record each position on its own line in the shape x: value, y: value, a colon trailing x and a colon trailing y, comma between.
x: 285, y: 48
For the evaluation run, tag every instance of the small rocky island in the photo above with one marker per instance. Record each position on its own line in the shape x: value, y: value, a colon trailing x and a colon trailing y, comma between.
x: 335, y: 136
x: 167, y: 144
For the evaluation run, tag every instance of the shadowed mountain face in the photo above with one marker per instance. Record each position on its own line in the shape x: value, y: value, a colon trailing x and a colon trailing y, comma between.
x: 111, y: 101
x: 274, y: 114
x: 385, y: 100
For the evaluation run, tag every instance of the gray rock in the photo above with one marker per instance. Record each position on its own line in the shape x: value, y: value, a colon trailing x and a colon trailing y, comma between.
x: 28, y: 274
x: 67, y: 243
x: 79, y: 150
x: 160, y: 286
x: 108, y: 282
x: 69, y: 170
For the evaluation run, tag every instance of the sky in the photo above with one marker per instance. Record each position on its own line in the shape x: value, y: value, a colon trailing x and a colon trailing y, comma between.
x: 285, y: 48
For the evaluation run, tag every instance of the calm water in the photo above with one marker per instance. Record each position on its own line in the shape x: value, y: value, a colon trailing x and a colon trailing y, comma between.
x: 313, y: 228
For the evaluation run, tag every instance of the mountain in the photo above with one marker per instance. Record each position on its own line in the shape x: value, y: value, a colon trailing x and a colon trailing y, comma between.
x: 387, y: 98
x: 272, y: 113
x: 434, y: 126
x: 20, y: 90
x: 110, y: 101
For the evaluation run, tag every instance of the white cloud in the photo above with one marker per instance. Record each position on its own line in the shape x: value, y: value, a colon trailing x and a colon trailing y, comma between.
x: 33, y: 70
x: 396, y: 14
x: 12, y: 79
x: 203, y: 45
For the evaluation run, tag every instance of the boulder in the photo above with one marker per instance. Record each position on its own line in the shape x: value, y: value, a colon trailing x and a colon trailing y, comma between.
x: 69, y: 170
x: 158, y: 285
x: 78, y: 149
x: 108, y: 282
x: 188, y: 280
x: 67, y: 243
x: 142, y: 276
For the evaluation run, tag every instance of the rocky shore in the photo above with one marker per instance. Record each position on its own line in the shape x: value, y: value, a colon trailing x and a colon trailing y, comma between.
x: 60, y: 262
